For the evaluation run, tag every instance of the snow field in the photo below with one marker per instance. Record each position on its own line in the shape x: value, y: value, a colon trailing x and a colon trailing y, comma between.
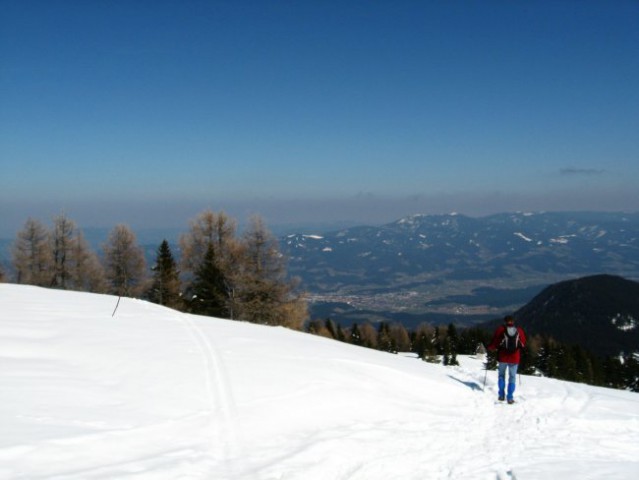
x: 151, y: 393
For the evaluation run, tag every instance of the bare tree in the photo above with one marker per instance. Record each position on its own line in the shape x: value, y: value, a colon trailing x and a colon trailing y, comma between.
x: 87, y: 273
x: 214, y: 232
x: 31, y: 255
x: 264, y: 293
x: 208, y: 228
x: 61, y: 241
x: 124, y: 262
x: 400, y: 337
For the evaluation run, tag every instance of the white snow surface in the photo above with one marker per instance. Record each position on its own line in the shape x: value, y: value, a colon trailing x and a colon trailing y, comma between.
x: 152, y: 393
x: 523, y: 237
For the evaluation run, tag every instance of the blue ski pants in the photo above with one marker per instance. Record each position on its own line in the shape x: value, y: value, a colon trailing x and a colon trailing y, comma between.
x: 512, y: 379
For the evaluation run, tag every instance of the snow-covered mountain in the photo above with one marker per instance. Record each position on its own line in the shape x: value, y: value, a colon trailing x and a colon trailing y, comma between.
x: 151, y: 393
x: 425, y: 263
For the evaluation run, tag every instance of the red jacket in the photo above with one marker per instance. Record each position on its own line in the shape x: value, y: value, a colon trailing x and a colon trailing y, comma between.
x: 502, y: 355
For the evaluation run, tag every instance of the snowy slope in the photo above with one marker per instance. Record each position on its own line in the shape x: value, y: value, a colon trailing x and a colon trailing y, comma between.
x: 155, y: 394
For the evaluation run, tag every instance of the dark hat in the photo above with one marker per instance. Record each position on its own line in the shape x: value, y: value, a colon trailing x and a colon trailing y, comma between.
x: 509, y: 319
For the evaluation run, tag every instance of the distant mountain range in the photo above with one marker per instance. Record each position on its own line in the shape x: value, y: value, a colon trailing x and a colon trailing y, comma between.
x: 443, y: 268
x: 457, y: 268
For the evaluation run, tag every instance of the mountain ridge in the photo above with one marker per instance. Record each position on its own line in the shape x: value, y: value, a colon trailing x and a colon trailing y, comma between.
x: 598, y: 312
x: 440, y: 264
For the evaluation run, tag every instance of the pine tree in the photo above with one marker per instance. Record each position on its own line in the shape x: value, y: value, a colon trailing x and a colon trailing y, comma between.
x: 451, y: 345
x: 583, y: 365
x: 355, y: 336
x: 567, y: 368
x: 630, y: 373
x: 527, y: 363
x: 165, y: 286
x: 210, y: 289
x: 614, y: 374
x: 210, y: 228
x: 341, y: 336
x: 420, y: 339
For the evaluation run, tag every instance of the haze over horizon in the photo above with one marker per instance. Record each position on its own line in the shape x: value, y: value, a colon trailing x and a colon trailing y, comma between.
x: 148, y: 113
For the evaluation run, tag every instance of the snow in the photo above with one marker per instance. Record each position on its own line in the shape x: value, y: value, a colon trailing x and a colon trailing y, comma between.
x: 625, y: 323
x: 151, y: 393
x: 523, y: 237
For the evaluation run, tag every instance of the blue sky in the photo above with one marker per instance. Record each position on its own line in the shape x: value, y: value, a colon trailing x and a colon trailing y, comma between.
x: 148, y: 112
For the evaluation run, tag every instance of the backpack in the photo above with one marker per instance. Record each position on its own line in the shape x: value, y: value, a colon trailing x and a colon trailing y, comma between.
x: 510, y: 343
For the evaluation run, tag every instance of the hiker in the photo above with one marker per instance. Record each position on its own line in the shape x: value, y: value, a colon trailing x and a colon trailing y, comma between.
x: 507, y: 340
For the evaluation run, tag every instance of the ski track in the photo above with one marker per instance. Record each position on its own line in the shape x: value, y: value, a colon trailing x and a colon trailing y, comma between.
x: 462, y: 434
x: 223, y: 436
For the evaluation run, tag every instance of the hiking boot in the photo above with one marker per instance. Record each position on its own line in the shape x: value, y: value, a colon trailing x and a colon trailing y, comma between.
x: 510, y: 401
x: 501, y: 398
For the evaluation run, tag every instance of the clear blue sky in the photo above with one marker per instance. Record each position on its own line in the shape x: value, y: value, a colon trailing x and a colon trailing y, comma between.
x: 148, y: 112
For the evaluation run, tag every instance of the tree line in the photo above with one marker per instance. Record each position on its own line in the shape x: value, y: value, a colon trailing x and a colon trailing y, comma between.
x: 543, y: 355
x: 222, y: 274
x: 219, y: 272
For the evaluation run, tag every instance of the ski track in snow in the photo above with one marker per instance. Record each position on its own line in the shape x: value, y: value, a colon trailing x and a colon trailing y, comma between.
x: 153, y: 394
x: 223, y: 433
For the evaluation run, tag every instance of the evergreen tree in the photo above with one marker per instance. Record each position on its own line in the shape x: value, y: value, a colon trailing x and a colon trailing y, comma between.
x: 451, y: 345
x: 210, y: 290
x: 355, y: 336
x: 527, y: 363
x: 548, y: 357
x: 491, y: 361
x: 630, y: 373
x: 567, y: 368
x: 583, y: 365
x: 469, y: 338
x: 210, y: 228
x: 341, y: 336
x: 165, y: 286
x: 614, y: 374
x: 421, y: 340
